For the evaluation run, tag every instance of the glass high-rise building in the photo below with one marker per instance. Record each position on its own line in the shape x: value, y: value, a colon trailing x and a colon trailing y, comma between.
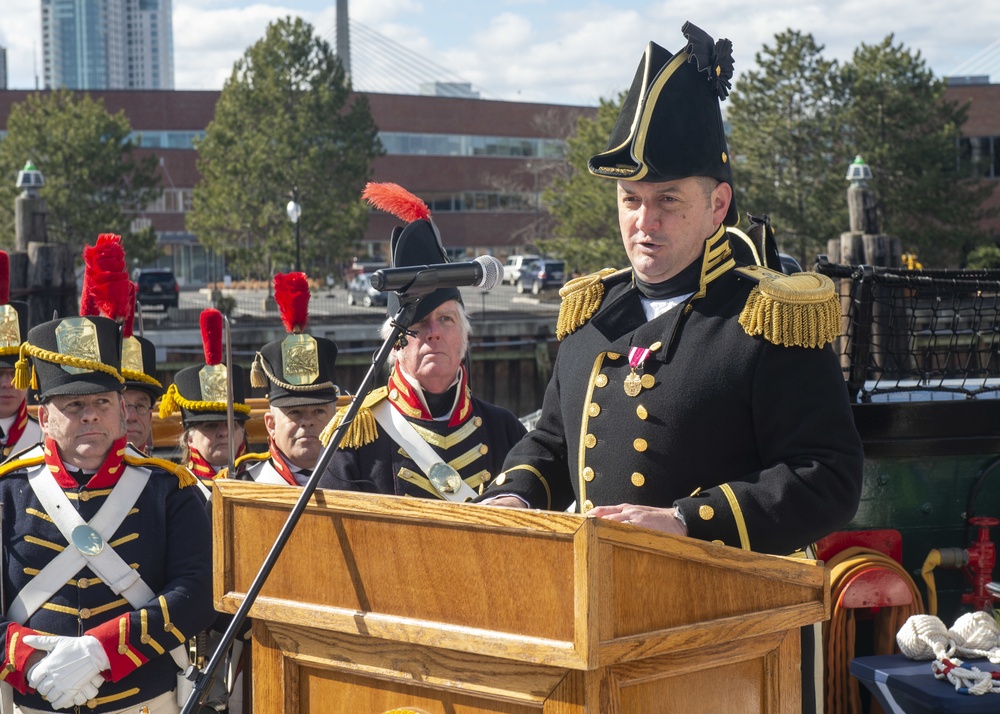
x: 107, y: 44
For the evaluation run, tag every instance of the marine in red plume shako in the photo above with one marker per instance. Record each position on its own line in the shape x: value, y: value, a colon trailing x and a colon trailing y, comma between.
x: 416, y: 243
x: 105, y: 263
x: 82, y: 355
x: 199, y: 392
x: 18, y: 430
x: 297, y: 369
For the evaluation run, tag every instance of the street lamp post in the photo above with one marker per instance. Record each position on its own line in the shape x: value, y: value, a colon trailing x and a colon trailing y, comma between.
x: 294, y: 213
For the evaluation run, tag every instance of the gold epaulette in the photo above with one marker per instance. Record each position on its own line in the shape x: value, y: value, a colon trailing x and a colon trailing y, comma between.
x: 800, y: 310
x: 580, y: 299
x: 16, y: 464
x: 364, y: 429
x: 258, y: 456
x: 184, y: 476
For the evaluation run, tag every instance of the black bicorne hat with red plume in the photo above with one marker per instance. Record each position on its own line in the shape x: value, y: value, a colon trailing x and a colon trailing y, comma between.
x: 298, y: 369
x: 416, y: 243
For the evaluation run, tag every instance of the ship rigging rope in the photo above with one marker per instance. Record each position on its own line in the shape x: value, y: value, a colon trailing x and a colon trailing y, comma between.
x: 842, y: 693
x: 974, y: 634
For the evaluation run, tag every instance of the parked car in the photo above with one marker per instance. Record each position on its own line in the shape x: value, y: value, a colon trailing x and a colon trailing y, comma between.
x: 156, y: 286
x: 361, y: 292
x: 540, y: 275
x: 512, y: 267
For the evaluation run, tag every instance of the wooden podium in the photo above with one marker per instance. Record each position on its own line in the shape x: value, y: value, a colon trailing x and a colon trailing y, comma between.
x: 382, y: 603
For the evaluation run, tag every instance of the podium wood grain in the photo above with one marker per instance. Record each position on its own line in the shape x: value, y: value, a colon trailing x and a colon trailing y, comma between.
x: 382, y: 602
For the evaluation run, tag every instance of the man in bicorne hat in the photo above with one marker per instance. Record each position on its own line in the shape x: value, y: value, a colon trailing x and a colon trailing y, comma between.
x: 298, y: 371
x: 424, y: 434
x: 102, y: 586
x: 679, y: 400
x: 18, y: 431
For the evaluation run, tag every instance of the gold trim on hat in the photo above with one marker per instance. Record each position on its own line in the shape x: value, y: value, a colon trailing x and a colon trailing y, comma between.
x: 212, y: 379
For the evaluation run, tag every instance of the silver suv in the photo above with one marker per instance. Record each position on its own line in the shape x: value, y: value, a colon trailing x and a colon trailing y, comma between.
x: 512, y: 268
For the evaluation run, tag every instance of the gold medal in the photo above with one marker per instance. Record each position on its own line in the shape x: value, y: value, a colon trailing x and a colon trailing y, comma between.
x: 633, y: 384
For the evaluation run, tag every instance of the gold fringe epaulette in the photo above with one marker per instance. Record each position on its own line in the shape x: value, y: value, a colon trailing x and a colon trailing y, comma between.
x: 800, y: 310
x: 256, y: 456
x: 580, y: 299
x: 184, y: 477
x: 364, y: 429
x: 16, y: 464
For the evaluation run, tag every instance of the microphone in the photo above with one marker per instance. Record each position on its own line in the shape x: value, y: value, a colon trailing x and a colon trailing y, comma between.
x: 484, y: 272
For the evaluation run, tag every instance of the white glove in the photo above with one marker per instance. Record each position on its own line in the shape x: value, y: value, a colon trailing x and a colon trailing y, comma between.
x: 70, y: 674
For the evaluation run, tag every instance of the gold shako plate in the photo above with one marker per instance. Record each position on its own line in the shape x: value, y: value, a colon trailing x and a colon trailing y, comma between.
x: 132, y: 354
x: 77, y: 337
x: 212, y: 379
x: 300, y: 359
x: 10, y: 330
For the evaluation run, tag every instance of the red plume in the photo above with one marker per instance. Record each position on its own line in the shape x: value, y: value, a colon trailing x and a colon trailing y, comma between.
x: 105, y: 278
x: 291, y: 292
x: 211, y: 335
x: 393, y: 198
x: 4, y: 278
x: 130, y: 311
x: 88, y: 304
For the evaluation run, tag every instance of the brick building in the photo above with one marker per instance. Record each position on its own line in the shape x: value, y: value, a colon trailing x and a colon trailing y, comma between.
x: 479, y: 164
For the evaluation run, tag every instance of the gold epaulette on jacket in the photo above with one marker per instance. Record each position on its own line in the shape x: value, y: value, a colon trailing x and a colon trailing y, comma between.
x: 580, y: 299
x: 257, y: 456
x: 16, y: 464
x: 184, y: 476
x: 364, y: 429
x: 800, y: 310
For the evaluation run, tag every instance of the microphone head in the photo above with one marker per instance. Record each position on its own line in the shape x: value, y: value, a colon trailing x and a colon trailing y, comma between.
x: 492, y: 271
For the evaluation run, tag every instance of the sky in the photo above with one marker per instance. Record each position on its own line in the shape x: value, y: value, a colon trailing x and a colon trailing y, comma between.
x: 555, y: 51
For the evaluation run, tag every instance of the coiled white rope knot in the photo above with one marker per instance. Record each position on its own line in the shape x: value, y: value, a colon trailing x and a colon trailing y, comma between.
x: 975, y: 635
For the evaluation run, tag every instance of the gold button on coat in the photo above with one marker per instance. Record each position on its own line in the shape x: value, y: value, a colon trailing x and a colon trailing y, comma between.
x: 640, y: 445
x: 588, y: 505
x: 601, y: 381
x: 478, y: 421
x: 588, y: 474
x: 484, y: 449
x: 394, y: 394
x: 638, y: 479
x: 500, y: 479
x: 655, y: 346
x: 590, y: 441
x: 85, y: 495
x: 613, y: 355
x: 640, y: 411
x: 83, y: 583
x: 647, y: 381
x: 85, y: 613
x: 706, y: 513
x: 594, y: 409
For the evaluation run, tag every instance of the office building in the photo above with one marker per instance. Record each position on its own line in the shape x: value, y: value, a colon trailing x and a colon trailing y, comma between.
x: 107, y: 44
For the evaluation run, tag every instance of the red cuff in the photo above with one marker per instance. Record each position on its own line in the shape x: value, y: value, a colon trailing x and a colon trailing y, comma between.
x: 114, y: 638
x: 13, y: 668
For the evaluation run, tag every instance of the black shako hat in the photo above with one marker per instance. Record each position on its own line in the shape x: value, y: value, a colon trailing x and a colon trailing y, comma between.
x: 297, y: 369
x: 74, y: 356
x: 670, y: 126
x: 199, y: 393
x: 416, y: 243
x: 139, y: 366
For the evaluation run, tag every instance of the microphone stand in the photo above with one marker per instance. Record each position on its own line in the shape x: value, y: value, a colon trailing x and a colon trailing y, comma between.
x: 409, y: 297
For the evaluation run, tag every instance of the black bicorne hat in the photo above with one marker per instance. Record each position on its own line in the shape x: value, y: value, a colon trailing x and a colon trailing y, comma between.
x: 73, y: 356
x: 416, y: 243
x: 297, y: 369
x: 199, y: 393
x: 670, y: 126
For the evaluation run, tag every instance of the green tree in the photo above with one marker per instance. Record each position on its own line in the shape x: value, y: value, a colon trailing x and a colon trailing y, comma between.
x: 93, y: 177
x: 286, y: 119
x: 787, y: 145
x: 983, y: 257
x: 584, y: 208
x: 900, y: 122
